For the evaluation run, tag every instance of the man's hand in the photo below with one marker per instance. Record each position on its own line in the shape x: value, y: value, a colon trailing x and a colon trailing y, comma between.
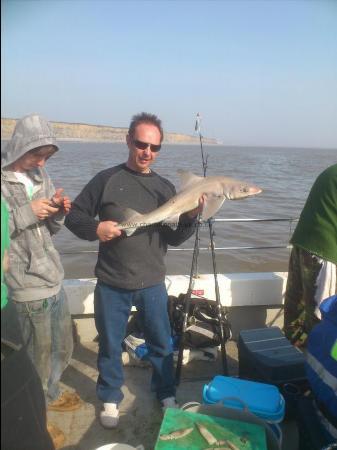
x: 107, y: 230
x: 198, y: 210
x: 42, y: 209
x: 66, y: 204
x: 60, y: 201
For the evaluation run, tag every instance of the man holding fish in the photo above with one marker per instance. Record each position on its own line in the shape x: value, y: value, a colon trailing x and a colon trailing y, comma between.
x: 131, y: 270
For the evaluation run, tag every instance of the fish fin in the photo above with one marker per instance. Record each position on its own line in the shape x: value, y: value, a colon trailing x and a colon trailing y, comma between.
x: 172, y: 221
x: 129, y: 231
x: 128, y: 214
x: 212, y: 205
x: 187, y: 179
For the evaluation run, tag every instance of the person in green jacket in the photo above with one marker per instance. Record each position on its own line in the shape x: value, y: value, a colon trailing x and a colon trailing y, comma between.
x: 313, y: 260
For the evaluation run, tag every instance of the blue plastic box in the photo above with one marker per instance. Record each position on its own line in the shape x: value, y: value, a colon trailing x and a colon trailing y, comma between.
x: 263, y: 400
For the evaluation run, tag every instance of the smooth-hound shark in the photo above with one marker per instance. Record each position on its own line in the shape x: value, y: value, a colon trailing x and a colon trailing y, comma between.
x: 214, y: 189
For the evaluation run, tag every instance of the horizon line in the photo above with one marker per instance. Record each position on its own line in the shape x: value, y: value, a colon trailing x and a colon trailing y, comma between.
x: 219, y: 142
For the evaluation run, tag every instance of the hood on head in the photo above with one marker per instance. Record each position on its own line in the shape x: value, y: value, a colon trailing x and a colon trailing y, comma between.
x: 30, y: 132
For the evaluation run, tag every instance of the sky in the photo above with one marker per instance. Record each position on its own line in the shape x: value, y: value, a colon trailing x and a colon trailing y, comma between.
x: 260, y: 73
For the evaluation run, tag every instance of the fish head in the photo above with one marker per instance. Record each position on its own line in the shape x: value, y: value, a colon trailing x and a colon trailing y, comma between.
x: 236, y: 190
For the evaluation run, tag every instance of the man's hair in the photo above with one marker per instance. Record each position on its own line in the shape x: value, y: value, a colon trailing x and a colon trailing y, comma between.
x: 148, y: 118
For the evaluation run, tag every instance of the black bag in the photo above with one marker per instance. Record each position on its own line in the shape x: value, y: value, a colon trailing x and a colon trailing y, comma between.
x: 202, y: 327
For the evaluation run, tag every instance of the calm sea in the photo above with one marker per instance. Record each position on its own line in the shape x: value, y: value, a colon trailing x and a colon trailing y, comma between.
x: 285, y: 175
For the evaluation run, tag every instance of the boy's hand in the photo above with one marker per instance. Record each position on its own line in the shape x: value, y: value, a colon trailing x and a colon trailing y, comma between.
x: 42, y: 208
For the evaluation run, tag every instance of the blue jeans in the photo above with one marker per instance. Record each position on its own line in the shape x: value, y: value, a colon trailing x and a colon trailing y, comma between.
x: 112, y: 310
x: 47, y: 332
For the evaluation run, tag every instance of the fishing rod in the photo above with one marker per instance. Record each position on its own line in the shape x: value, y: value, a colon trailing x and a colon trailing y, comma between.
x: 187, y: 302
x: 221, y: 312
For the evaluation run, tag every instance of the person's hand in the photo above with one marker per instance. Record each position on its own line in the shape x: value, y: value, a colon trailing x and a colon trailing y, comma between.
x: 198, y: 210
x: 42, y: 209
x: 60, y: 201
x: 107, y: 230
x: 66, y: 204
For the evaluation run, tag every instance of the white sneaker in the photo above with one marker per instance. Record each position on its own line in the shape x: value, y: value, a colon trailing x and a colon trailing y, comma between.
x: 169, y: 402
x: 109, y: 417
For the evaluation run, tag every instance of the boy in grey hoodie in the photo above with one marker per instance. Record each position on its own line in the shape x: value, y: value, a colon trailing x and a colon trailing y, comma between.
x: 35, y: 274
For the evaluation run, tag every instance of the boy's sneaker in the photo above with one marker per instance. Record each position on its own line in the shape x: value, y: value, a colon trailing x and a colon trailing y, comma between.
x: 109, y: 416
x: 169, y: 402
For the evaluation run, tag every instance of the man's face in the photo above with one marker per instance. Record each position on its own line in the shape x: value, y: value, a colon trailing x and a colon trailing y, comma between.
x: 33, y: 159
x: 140, y: 159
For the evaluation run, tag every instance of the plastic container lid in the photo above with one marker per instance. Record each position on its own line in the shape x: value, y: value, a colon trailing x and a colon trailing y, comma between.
x: 262, y: 399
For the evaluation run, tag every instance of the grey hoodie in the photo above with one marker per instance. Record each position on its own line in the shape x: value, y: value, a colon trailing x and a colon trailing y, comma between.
x: 30, y: 132
x: 35, y: 270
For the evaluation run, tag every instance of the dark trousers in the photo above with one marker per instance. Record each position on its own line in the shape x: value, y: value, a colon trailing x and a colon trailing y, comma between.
x: 313, y: 435
x: 23, y: 409
x: 299, y: 301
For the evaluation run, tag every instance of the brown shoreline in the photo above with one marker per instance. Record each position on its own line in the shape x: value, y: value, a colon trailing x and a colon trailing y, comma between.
x: 79, y: 132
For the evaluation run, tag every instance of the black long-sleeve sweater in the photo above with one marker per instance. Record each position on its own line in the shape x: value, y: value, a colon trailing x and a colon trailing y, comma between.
x: 137, y: 261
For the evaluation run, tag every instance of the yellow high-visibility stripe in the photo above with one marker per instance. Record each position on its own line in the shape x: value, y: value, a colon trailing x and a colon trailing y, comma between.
x: 334, y: 351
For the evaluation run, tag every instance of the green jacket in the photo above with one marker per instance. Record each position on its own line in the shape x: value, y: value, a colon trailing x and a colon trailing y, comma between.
x: 4, y: 246
x: 316, y: 230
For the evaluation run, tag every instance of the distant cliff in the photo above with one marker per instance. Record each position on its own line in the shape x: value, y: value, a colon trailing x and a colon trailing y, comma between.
x: 98, y: 133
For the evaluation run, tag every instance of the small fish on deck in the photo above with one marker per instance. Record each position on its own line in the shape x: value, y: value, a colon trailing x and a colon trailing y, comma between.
x: 217, y: 448
x: 231, y: 445
x: 178, y: 434
x: 228, y: 446
x: 206, y: 434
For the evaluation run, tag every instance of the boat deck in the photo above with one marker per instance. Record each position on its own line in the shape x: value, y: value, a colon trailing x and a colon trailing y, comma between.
x: 141, y: 414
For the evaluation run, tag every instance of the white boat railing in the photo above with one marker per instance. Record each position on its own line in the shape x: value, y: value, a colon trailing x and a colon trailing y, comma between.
x: 253, y: 289
x: 189, y: 249
x: 280, y: 219
x: 266, y: 247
